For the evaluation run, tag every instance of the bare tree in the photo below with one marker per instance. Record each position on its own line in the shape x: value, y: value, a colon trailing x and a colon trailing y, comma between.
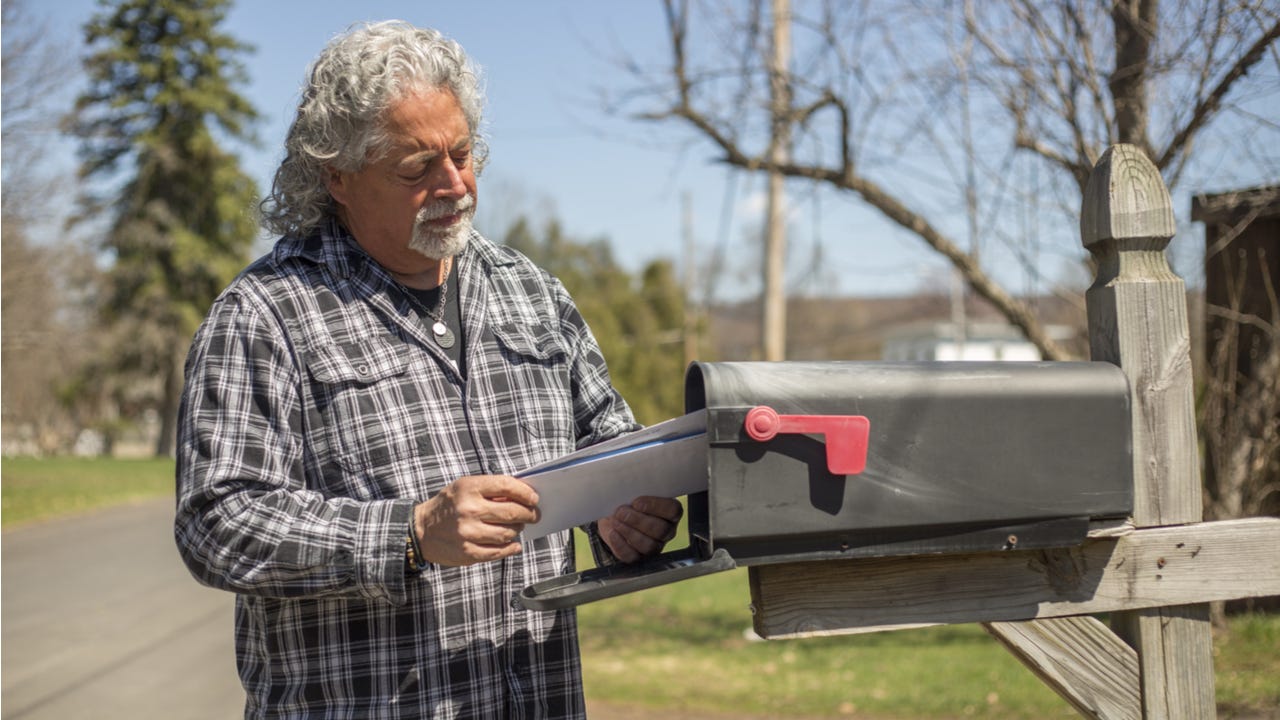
x: 1240, y: 397
x: 1239, y: 420
x: 876, y: 103
x: 43, y: 274
x: 34, y: 71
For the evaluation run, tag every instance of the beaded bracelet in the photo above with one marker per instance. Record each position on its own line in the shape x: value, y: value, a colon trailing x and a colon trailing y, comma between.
x: 412, y: 551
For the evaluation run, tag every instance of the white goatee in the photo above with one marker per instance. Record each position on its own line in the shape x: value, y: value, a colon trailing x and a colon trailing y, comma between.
x: 440, y: 243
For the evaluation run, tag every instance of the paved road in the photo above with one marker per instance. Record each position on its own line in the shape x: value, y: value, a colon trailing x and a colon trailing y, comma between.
x: 101, y: 620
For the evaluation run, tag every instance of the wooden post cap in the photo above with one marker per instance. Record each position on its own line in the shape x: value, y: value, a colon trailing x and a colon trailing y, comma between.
x: 1126, y: 199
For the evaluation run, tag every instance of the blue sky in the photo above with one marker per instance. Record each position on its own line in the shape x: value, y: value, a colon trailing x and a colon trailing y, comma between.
x: 554, y: 151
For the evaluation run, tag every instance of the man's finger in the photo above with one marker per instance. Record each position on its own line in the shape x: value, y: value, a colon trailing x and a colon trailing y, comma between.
x: 618, y: 544
x: 650, y: 526
x: 502, y: 512
x: 640, y: 533
x: 668, y: 508
x: 509, y: 489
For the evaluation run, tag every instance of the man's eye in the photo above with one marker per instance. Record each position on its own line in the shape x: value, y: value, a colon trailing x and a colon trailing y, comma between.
x: 460, y: 161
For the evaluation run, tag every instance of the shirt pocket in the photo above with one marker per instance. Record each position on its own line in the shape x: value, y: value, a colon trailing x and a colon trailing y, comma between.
x: 363, y: 394
x: 541, y: 393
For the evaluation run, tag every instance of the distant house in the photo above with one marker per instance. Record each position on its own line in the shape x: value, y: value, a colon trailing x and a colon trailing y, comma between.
x: 980, y: 341
x: 853, y: 328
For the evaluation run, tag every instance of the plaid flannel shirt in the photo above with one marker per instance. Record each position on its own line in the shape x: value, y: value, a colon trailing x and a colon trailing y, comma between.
x: 317, y: 412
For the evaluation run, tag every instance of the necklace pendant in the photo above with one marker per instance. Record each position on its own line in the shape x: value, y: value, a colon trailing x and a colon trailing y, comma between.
x: 444, y: 336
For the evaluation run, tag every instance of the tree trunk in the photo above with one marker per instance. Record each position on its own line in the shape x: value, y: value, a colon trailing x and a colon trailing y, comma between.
x: 172, y: 395
x: 1135, y: 26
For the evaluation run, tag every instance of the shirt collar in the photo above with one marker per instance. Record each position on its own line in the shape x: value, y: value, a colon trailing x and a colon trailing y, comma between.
x: 330, y: 245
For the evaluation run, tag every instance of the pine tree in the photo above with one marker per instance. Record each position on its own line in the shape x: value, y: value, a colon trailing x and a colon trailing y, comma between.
x: 162, y: 95
x: 636, y: 319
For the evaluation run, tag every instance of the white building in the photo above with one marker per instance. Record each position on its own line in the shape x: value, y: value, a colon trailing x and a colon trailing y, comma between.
x: 982, y: 341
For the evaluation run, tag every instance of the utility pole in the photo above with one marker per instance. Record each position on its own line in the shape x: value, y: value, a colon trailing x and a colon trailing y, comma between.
x: 774, y: 300
x: 692, y: 308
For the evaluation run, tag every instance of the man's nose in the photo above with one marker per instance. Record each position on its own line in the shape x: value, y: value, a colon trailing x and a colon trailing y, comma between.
x: 447, y: 182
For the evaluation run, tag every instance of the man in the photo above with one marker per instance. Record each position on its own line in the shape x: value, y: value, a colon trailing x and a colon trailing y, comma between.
x: 358, y: 399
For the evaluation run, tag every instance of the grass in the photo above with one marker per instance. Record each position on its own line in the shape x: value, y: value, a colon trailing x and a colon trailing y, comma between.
x: 33, y: 489
x: 1247, y: 667
x: 689, y: 645
x: 686, y: 647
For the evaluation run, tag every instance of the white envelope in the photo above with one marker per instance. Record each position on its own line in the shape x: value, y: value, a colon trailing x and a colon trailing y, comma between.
x: 664, y: 460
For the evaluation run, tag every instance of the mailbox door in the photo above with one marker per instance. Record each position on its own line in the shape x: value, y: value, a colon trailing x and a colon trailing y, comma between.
x: 600, y: 583
x: 958, y: 457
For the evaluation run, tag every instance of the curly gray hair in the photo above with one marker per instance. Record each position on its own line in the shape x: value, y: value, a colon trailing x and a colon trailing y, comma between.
x: 339, y: 122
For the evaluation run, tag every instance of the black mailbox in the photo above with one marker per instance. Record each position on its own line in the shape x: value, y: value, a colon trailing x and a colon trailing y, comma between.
x: 827, y: 460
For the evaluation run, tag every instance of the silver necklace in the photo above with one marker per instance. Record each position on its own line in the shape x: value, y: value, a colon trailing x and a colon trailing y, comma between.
x: 443, y: 335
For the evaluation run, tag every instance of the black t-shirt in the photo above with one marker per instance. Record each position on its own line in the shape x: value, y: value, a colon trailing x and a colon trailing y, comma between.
x: 452, y: 318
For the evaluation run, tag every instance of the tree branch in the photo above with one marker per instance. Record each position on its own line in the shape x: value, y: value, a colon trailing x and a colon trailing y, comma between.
x: 847, y: 179
x: 1205, y: 109
x: 844, y: 177
x: 1079, y: 172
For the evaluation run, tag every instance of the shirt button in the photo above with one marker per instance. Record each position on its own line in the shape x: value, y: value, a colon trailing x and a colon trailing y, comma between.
x: 362, y: 369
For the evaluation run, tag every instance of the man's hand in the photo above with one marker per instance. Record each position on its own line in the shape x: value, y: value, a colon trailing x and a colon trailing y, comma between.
x: 476, y: 519
x: 636, y: 531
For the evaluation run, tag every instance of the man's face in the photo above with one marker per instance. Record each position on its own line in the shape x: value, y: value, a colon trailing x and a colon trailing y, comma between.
x: 413, y: 207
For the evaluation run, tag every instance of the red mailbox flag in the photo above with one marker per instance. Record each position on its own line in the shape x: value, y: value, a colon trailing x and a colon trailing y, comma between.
x: 847, y: 436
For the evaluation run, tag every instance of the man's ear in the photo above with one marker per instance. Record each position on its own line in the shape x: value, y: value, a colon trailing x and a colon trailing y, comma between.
x: 335, y: 182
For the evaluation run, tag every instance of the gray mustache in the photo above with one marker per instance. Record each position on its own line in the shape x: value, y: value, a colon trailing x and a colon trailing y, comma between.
x: 443, y: 208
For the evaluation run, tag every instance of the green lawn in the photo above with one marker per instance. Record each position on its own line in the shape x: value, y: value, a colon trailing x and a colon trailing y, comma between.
x: 41, y: 488
x: 686, y: 646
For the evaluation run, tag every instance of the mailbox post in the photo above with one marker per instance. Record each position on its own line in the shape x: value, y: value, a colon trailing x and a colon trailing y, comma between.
x: 1138, y: 320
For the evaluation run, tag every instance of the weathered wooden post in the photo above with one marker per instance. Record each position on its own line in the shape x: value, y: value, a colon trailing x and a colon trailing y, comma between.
x: 1138, y: 320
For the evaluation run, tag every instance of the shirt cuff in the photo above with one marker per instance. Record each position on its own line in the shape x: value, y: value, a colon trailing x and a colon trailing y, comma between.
x: 603, y: 556
x: 379, y: 543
